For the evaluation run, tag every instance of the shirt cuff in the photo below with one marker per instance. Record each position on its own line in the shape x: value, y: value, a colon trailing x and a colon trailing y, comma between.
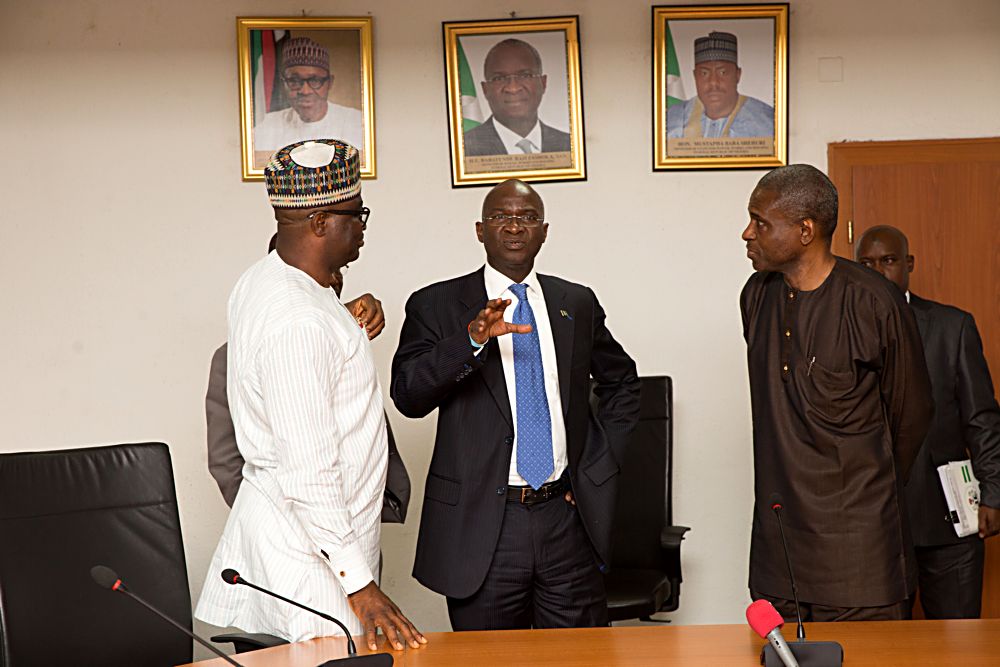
x: 350, y: 567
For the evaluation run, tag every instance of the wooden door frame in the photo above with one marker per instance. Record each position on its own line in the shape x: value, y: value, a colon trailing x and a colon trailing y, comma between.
x: 844, y: 156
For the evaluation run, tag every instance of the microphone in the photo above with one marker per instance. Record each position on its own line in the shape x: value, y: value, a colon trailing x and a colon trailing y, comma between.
x: 232, y: 577
x: 812, y: 654
x: 777, y: 504
x: 766, y: 622
x: 105, y: 577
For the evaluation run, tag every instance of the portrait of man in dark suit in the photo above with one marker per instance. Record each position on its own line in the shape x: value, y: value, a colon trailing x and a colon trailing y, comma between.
x: 514, y: 83
x: 516, y: 519
x: 966, y: 425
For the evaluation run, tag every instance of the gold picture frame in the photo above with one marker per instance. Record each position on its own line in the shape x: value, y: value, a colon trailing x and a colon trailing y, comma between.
x: 272, y: 113
x: 531, y: 61
x: 726, y: 123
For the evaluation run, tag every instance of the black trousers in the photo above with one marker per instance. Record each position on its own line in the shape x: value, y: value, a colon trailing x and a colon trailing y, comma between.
x: 951, y: 579
x: 543, y: 575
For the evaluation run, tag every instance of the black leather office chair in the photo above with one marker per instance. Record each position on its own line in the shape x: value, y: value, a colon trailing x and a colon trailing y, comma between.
x: 62, y: 512
x: 645, y: 575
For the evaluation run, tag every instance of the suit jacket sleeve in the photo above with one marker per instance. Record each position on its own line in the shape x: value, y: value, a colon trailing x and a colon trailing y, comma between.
x: 432, y: 360
x: 979, y: 412
x: 224, y: 460
x: 616, y: 383
x: 905, y: 385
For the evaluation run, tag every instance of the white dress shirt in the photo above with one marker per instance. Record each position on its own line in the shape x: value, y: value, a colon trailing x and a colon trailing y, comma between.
x: 307, y: 409
x: 497, y: 287
x: 510, y: 138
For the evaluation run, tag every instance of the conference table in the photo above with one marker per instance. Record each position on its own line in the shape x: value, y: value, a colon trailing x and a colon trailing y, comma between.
x: 911, y: 643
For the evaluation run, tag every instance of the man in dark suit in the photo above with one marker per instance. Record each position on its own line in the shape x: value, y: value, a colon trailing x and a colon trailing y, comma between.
x: 513, y: 88
x: 966, y: 425
x: 520, y: 494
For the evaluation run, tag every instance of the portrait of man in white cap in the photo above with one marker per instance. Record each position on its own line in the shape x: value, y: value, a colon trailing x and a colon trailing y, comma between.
x: 719, y: 110
x: 307, y: 80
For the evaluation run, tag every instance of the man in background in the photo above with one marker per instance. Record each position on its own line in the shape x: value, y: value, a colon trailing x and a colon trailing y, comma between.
x: 966, y: 426
x: 225, y: 463
x: 841, y: 402
x: 719, y: 110
x: 514, y: 87
x: 307, y: 79
x: 307, y: 408
x: 520, y: 494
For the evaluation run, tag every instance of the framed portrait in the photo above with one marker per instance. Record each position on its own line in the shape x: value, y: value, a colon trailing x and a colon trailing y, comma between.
x: 304, y: 78
x: 515, y: 103
x: 720, y: 86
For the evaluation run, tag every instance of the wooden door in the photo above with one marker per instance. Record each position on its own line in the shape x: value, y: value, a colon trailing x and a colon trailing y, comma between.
x: 945, y: 195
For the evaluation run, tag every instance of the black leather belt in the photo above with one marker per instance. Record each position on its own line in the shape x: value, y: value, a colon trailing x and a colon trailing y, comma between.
x: 528, y: 496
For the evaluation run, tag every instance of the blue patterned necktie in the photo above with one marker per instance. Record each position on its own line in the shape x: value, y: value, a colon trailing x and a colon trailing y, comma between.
x: 534, y: 423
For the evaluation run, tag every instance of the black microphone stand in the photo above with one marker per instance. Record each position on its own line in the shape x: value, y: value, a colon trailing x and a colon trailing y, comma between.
x: 800, y: 631
x: 233, y: 577
x: 352, y: 649
x: 808, y: 654
x: 106, y: 578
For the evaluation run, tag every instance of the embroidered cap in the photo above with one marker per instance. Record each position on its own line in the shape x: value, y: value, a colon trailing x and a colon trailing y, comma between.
x: 313, y: 173
x: 717, y: 46
x: 304, y: 51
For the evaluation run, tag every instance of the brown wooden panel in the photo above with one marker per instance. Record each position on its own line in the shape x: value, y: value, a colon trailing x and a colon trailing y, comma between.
x: 945, y: 195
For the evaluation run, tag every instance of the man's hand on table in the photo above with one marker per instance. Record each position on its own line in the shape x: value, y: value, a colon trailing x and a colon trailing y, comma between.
x: 375, y: 610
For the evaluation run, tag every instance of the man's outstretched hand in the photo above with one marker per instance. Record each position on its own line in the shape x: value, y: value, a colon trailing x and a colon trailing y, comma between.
x: 489, y: 323
x: 375, y: 610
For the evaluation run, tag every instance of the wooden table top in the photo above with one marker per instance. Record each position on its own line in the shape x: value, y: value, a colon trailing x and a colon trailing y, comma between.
x: 911, y: 643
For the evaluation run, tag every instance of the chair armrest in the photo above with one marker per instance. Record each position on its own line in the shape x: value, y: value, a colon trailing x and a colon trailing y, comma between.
x: 245, y: 642
x: 671, y: 536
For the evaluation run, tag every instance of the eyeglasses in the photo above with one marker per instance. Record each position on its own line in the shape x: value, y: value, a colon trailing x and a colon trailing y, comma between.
x: 528, y: 220
x: 520, y: 77
x: 361, y: 214
x: 315, y: 82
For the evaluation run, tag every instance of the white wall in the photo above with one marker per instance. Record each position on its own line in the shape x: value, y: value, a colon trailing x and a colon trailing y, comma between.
x: 125, y: 224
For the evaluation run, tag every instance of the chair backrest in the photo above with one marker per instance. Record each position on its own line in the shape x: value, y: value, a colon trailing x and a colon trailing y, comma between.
x: 644, y: 491
x: 62, y: 512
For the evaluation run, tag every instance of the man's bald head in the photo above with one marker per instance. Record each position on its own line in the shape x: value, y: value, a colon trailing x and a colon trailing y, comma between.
x: 512, y: 44
x: 513, y: 228
x: 512, y: 187
x: 883, y: 233
x: 887, y: 250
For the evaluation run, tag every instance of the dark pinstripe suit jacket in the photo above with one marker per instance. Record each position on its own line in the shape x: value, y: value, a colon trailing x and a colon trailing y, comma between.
x: 434, y: 367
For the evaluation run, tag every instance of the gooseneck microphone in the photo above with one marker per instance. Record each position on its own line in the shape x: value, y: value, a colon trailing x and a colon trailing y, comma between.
x: 107, y: 578
x: 232, y: 577
x: 812, y: 654
x: 777, y: 504
x: 766, y: 622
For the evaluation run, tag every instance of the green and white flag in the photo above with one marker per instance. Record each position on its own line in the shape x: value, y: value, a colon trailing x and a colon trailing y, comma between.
x: 675, y: 87
x: 472, y: 114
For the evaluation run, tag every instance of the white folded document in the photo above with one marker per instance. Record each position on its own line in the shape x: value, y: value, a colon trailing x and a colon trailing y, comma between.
x: 961, y: 491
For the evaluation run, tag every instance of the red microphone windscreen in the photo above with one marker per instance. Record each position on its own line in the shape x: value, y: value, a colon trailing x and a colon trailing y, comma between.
x: 763, y: 617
